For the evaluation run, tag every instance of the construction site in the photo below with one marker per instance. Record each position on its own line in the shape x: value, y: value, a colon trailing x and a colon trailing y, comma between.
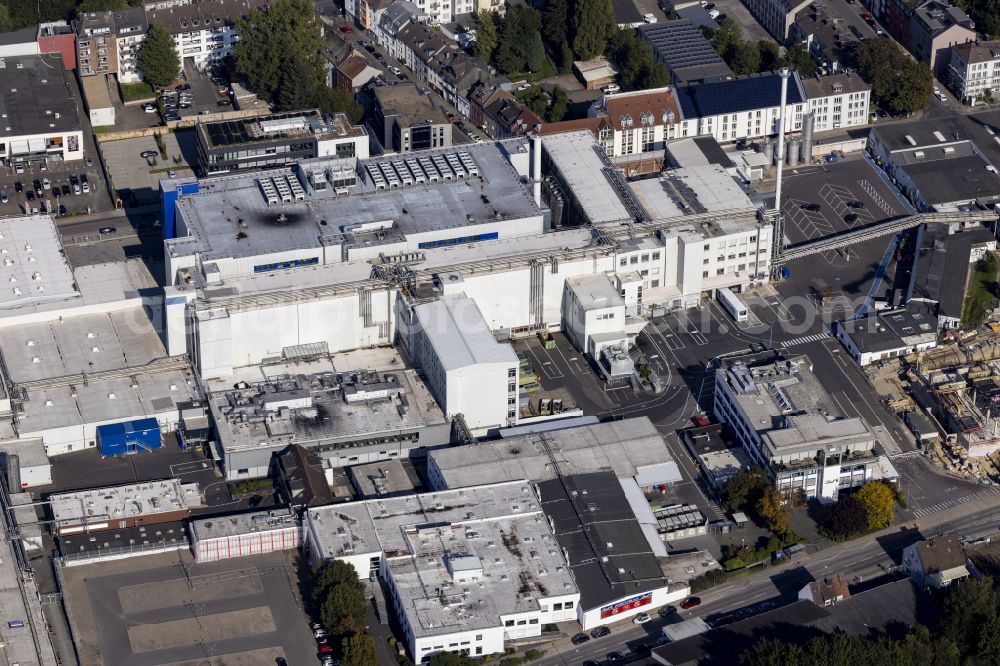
x: 949, y: 397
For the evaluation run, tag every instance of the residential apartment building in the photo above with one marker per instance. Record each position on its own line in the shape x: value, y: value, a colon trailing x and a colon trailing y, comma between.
x: 927, y: 28
x: 827, y: 36
x: 365, y: 13
x: 96, y: 44
x: 776, y: 16
x: 130, y: 31
x: 392, y: 21
x: 638, y: 122
x: 936, y: 562
x: 205, y: 31
x: 974, y: 70
x: 792, y: 428
x: 837, y: 101
x: 353, y: 73
x: 499, y: 114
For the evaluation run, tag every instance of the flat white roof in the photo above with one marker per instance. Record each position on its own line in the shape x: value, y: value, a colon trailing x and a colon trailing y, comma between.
x: 33, y: 267
x: 119, y: 502
x: 595, y: 291
x: 421, y: 537
x: 574, y: 155
x: 459, y: 335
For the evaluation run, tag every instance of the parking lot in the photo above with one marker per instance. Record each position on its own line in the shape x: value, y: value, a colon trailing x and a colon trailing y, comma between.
x: 165, y: 609
x: 137, y: 177
x: 59, y: 175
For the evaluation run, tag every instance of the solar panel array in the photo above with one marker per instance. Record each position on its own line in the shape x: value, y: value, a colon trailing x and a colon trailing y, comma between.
x: 386, y: 174
x: 735, y: 95
x: 284, y: 188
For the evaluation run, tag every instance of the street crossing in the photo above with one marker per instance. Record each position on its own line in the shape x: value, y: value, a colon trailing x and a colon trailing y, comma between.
x: 947, y: 504
x: 804, y: 339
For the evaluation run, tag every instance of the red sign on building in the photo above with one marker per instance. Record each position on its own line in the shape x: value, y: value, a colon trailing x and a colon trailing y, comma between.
x: 625, y: 605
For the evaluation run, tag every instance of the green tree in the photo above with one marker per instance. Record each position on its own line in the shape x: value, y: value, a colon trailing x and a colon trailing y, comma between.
x: 101, y: 5
x: 6, y: 22
x: 798, y: 58
x: 450, y: 659
x: 560, y: 103
x: 345, y: 601
x: 726, y: 38
x: 637, y: 69
x: 967, y: 609
x: 898, y: 82
x: 158, y: 56
x: 271, y: 36
x: 486, y: 36
x: 358, y: 650
x: 877, y: 499
x: 593, y: 26
x: 745, y: 58
x: 914, y: 86
x: 770, y: 56
x: 328, y: 575
x: 743, y: 491
x: 770, y: 507
x: 555, y: 31
x: 331, y: 100
x: 772, y: 652
x: 296, y: 89
x: 519, y: 46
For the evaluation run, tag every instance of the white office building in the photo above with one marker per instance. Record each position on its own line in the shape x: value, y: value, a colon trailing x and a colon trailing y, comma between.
x: 838, y: 101
x: 456, y: 564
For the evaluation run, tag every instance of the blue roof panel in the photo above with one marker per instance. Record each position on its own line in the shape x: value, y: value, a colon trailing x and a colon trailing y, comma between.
x: 716, y: 98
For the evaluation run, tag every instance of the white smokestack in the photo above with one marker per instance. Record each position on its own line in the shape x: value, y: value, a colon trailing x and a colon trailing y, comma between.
x: 536, y: 168
x: 785, y: 73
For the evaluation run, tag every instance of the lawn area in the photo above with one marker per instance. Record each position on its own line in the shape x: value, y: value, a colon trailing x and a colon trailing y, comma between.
x: 979, y: 299
x: 546, y: 72
x: 132, y: 92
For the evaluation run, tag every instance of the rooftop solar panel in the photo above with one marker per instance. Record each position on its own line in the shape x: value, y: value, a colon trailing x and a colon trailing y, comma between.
x: 716, y: 98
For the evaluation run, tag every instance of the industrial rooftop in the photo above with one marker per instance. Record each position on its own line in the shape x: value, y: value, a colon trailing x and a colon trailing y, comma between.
x: 624, y: 447
x: 458, y: 558
x: 262, y: 129
x: 34, y: 268
x: 119, y: 502
x: 322, y: 408
x: 232, y: 217
x: 218, y: 527
x: 691, y: 190
x: 585, y: 169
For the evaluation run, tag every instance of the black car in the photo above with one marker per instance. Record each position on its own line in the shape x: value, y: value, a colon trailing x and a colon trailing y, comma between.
x: 580, y: 639
x: 856, y: 204
x: 62, y: 209
x: 615, y: 656
x: 810, y: 206
x: 670, y: 610
x: 30, y: 195
x: 851, y: 218
x: 184, y: 86
x: 65, y: 190
x: 223, y: 102
x: 37, y: 184
x: 600, y: 632
x: 379, y: 57
x: 18, y: 187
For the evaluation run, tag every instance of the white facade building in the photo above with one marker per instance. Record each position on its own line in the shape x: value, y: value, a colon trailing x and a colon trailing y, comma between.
x: 974, y: 70
x: 204, y: 31
x: 838, y: 101
x: 454, y: 561
x: 244, y: 534
x: 466, y: 369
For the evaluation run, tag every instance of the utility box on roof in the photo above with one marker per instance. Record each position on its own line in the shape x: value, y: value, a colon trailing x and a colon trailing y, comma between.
x: 127, y: 437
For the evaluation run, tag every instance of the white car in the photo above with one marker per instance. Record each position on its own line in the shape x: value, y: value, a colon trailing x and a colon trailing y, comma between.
x: 523, y: 86
x: 648, y: 18
x: 611, y: 89
x: 641, y: 618
x: 713, y: 14
x: 149, y: 108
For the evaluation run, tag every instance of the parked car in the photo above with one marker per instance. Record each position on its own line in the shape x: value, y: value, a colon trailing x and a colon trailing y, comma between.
x: 713, y: 14
x: 46, y: 184
x: 149, y: 108
x: 85, y: 183
x: 649, y: 18
x: 37, y: 184
x: 107, y: 230
x: 65, y: 190
x: 615, y: 656
x: 611, y: 89
x: 321, y: 632
x: 580, y: 639
x: 850, y: 218
x: 18, y: 187
x: 184, y: 86
x: 600, y: 632
x: 690, y: 602
x: 223, y: 103
x: 523, y: 86
x: 856, y: 204
x: 89, y: 161
x: 3, y: 197
x: 62, y: 210
x: 814, y: 207
x: 344, y: 29
x: 148, y: 153
x: 641, y: 618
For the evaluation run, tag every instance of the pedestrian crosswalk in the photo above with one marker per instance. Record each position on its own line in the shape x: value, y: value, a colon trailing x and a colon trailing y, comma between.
x: 804, y: 339
x: 948, y: 504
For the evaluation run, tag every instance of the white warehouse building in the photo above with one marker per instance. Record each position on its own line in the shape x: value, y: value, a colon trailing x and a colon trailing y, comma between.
x: 466, y: 369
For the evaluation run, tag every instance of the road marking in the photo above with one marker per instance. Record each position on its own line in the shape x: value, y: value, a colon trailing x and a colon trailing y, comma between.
x: 948, y: 504
x: 804, y: 339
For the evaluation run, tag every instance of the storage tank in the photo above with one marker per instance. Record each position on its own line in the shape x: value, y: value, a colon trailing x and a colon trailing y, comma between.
x: 808, y: 121
x: 792, y: 146
x: 768, y: 151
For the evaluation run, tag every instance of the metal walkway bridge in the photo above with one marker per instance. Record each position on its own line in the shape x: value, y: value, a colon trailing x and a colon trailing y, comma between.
x: 878, y: 229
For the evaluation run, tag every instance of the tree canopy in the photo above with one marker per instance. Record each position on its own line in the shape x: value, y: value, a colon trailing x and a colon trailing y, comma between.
x: 899, y: 83
x: 158, y: 57
x: 358, y: 650
x: 519, y: 44
x: 637, y: 69
x: 877, y: 499
x: 279, y: 41
x: 744, y: 491
x: 486, y: 36
x: 593, y: 25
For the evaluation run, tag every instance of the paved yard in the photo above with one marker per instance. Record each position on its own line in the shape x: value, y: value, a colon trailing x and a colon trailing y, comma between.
x: 140, y: 176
